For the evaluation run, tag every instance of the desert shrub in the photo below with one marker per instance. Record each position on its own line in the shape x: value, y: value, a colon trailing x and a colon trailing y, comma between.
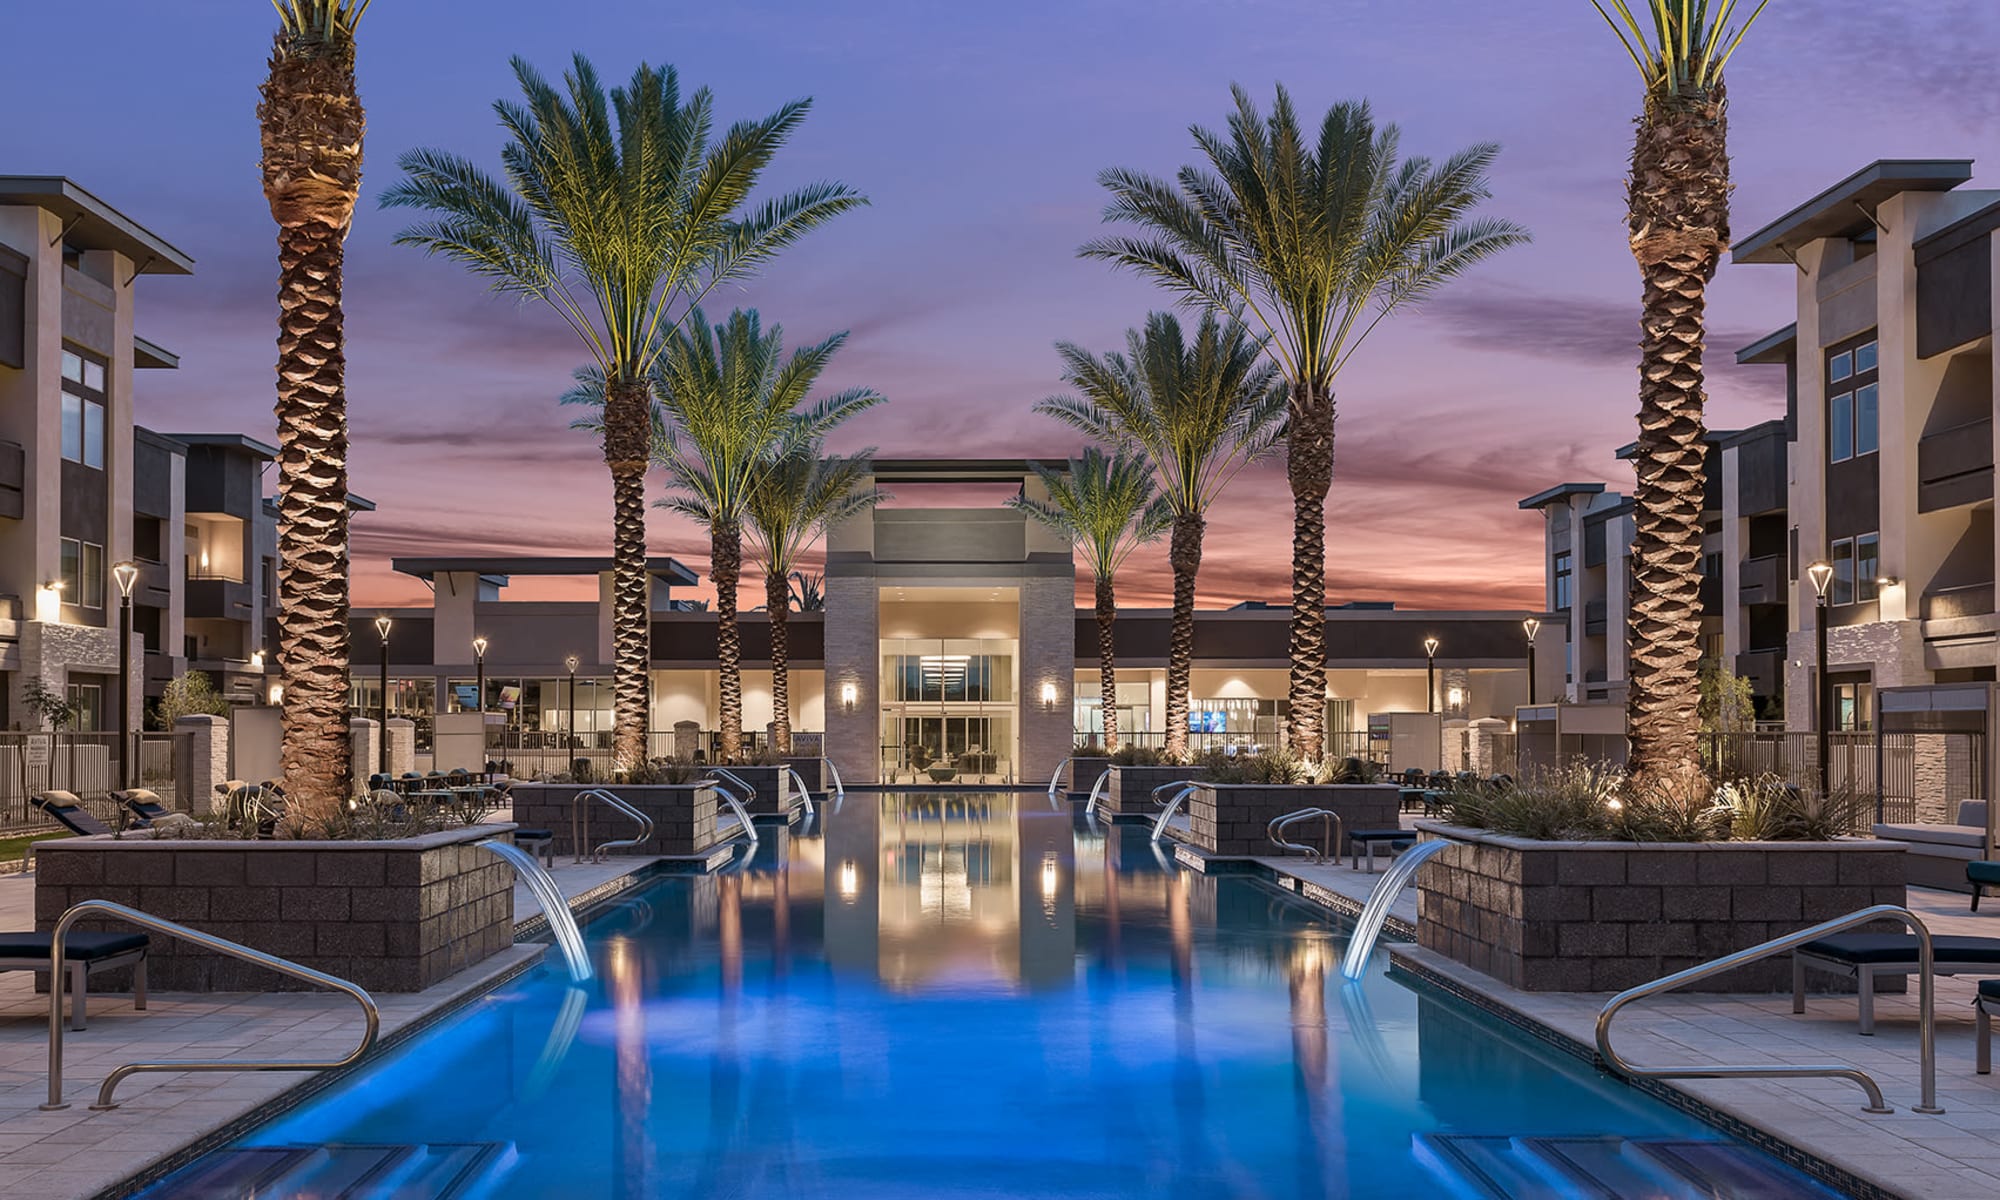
x: 1573, y: 803
x: 1129, y: 755
x: 664, y: 770
x: 1090, y: 749
x: 1668, y: 808
x: 1275, y: 767
x: 1353, y: 770
x: 1768, y: 809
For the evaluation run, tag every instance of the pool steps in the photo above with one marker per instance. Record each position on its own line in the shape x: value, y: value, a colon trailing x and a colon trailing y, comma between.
x: 1495, y: 1167
x: 433, y: 1171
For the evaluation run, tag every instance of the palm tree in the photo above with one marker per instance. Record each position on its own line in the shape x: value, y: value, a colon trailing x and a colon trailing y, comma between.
x: 1197, y: 414
x: 1677, y: 217
x: 730, y: 404
x: 791, y: 506
x: 1107, y: 506
x: 312, y: 124
x: 1316, y: 242
x: 618, y: 211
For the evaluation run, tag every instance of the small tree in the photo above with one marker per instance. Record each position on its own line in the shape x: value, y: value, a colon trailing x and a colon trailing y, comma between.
x: 190, y: 694
x: 51, y: 707
x: 1727, y: 703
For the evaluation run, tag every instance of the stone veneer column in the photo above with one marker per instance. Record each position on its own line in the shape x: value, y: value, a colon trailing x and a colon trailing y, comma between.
x: 364, y: 748
x: 1048, y: 655
x: 202, y: 761
x: 402, y: 745
x: 852, y: 659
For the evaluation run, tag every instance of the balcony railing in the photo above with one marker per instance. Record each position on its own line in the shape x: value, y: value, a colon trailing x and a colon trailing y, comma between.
x: 1955, y: 466
x: 1761, y: 580
x: 1972, y: 600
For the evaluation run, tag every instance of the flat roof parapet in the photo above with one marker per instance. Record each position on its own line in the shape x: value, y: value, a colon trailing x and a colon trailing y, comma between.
x: 669, y: 569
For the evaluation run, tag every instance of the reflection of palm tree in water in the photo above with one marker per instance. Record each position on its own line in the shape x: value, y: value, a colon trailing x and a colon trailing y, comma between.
x: 1305, y: 973
x: 632, y: 1074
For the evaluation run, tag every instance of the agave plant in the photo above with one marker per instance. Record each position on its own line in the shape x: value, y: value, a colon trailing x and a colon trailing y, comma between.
x: 1677, y: 221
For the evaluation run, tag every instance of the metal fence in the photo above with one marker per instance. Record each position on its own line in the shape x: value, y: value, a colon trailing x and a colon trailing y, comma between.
x: 539, y: 755
x: 1915, y: 777
x: 85, y: 764
x: 1338, y: 743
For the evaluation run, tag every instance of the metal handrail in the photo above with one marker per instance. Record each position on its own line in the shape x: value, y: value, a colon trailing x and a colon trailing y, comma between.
x: 283, y: 966
x: 1926, y: 1007
x: 1330, y: 824
x: 730, y: 798
x: 579, y: 824
x: 1172, y: 806
x: 803, y: 789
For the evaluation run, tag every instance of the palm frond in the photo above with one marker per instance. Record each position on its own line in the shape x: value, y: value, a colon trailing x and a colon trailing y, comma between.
x: 1104, y: 505
x: 1688, y: 45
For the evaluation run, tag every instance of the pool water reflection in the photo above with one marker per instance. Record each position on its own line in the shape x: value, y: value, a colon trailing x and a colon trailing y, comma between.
x: 964, y: 996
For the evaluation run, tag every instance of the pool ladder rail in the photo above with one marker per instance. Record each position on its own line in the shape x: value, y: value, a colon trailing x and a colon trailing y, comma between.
x: 1332, y: 834
x: 579, y: 824
x: 371, y: 1014
x: 1926, y: 1009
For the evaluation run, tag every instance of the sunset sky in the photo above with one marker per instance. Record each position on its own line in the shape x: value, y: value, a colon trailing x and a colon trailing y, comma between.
x: 977, y: 131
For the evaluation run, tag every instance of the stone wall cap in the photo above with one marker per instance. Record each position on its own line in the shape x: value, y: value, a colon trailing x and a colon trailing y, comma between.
x: 1462, y: 833
x: 142, y: 839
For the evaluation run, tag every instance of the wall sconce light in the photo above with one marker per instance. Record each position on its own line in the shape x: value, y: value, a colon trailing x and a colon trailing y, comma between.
x: 1049, y: 696
x: 1051, y: 874
x: 1888, y: 581
x: 277, y: 693
x: 1454, y: 697
x: 48, y: 602
x: 848, y: 696
x: 850, y: 881
x: 256, y: 660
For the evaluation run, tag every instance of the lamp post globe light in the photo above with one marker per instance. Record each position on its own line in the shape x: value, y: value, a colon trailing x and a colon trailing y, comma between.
x: 1821, y: 575
x: 1531, y: 627
x: 479, y: 659
x: 382, y: 624
x: 1430, y: 674
x: 126, y: 574
x: 570, y: 729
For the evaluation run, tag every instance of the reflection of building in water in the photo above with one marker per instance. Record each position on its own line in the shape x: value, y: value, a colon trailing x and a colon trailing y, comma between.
x: 955, y: 889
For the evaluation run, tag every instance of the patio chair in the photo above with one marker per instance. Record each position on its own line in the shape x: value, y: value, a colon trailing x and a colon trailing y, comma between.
x: 85, y: 953
x: 66, y: 809
x: 1867, y: 955
x: 1981, y: 875
x: 144, y: 805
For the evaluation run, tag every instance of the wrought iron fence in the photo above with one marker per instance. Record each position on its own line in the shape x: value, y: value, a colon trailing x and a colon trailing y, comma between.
x: 1916, y: 778
x: 85, y: 764
x: 531, y: 755
x: 1338, y: 743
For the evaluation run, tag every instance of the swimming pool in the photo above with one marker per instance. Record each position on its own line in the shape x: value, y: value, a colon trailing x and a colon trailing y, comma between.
x: 970, y: 996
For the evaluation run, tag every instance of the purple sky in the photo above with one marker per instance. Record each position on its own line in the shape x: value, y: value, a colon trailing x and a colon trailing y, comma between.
x: 977, y: 131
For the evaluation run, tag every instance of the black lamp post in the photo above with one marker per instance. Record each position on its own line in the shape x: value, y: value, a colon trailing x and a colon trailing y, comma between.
x: 382, y: 624
x: 1531, y: 627
x: 570, y: 729
x: 1821, y: 574
x: 479, y: 657
x: 126, y: 574
x: 1430, y: 674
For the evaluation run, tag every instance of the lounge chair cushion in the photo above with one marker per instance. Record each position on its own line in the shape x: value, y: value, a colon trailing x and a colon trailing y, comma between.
x: 1983, y: 872
x: 1989, y: 989
x: 78, y: 944
x: 69, y: 811
x: 1867, y: 949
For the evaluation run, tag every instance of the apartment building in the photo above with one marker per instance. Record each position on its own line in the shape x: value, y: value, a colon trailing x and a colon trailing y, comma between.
x: 1890, y: 363
x: 68, y: 356
x: 1587, y: 546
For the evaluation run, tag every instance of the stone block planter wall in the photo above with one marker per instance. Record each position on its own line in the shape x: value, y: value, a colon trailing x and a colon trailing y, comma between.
x: 684, y: 816
x: 1232, y: 820
x: 776, y: 797
x: 812, y: 770
x: 392, y: 916
x: 1083, y: 772
x: 1130, y: 792
x: 1605, y: 916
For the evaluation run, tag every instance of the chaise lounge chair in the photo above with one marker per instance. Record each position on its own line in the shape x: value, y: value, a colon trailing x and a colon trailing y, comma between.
x: 67, y: 810
x: 144, y: 805
x: 1864, y: 956
x: 85, y: 953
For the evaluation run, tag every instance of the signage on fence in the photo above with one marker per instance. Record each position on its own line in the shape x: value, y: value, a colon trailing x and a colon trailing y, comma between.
x: 37, y: 750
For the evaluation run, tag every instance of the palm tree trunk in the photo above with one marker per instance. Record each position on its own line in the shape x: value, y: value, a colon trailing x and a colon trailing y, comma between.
x: 1184, y: 556
x: 778, y: 603
x: 627, y: 438
x: 726, y: 567
x: 312, y: 124
x: 1107, y: 663
x: 1309, y: 469
x: 1679, y: 198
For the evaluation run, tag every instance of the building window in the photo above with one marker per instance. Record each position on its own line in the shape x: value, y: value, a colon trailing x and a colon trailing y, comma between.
x: 1857, y: 570
x: 83, y: 410
x: 1853, y: 403
x: 1853, y: 705
x: 1561, y: 599
x: 87, y: 701
x: 83, y: 573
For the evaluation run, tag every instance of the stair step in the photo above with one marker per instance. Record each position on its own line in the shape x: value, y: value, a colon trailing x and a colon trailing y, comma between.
x: 344, y: 1171
x: 1609, y: 1168
x: 229, y: 1174
x: 350, y: 1171
x: 1486, y: 1167
x: 1732, y: 1171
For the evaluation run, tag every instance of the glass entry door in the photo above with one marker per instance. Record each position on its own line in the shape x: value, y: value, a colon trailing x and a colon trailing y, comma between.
x: 948, y: 710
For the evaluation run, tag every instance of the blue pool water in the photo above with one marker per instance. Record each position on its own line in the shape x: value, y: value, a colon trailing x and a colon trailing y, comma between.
x: 965, y: 997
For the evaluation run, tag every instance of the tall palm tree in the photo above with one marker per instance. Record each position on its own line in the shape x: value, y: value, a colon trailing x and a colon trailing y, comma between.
x: 1197, y: 414
x: 1107, y: 506
x: 619, y: 212
x: 1677, y: 218
x: 791, y: 506
x: 731, y: 404
x: 1316, y: 242
x: 312, y: 124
